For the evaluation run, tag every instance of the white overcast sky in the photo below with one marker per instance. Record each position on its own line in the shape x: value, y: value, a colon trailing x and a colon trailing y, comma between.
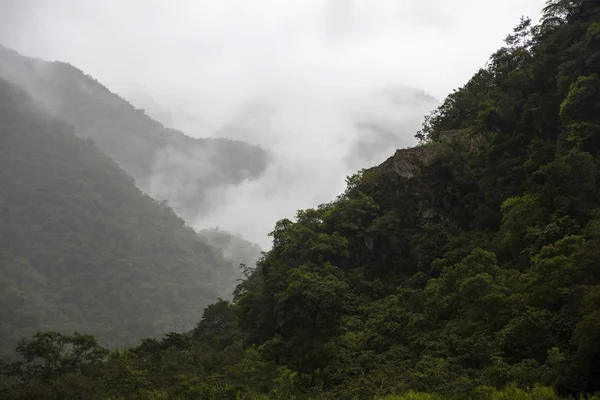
x: 317, y: 61
x: 224, y: 46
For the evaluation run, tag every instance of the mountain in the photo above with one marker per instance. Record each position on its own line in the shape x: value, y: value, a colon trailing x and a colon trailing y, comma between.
x: 165, y: 163
x: 140, y: 99
x: 82, y: 248
x: 233, y: 247
x: 462, y: 266
x: 465, y: 268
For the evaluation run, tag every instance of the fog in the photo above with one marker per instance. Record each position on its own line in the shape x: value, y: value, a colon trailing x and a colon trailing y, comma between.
x: 328, y: 87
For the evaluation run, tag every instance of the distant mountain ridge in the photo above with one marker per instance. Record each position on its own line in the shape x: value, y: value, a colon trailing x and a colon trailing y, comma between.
x: 82, y: 248
x: 166, y: 163
x: 139, y: 98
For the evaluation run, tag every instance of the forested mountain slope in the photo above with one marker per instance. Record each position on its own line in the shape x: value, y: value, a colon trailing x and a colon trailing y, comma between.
x: 471, y: 260
x: 81, y: 248
x: 465, y: 268
x: 165, y: 163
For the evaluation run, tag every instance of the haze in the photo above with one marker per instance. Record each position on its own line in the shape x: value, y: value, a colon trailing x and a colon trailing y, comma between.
x: 328, y: 87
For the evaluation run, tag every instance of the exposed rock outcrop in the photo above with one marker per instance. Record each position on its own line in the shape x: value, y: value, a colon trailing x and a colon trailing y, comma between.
x: 407, y: 162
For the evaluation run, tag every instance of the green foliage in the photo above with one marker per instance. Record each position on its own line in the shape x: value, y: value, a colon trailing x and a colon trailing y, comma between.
x: 51, y: 353
x: 218, y: 325
x: 511, y: 392
x: 466, y: 260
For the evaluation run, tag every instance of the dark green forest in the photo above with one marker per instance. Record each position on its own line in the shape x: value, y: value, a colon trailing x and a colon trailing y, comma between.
x: 467, y: 267
x: 158, y: 158
x: 81, y: 248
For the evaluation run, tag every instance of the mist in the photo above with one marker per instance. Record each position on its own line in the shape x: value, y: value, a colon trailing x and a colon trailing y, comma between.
x: 328, y: 87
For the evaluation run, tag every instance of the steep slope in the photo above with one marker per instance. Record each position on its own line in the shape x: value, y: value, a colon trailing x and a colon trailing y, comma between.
x: 470, y: 260
x: 165, y: 163
x: 81, y: 248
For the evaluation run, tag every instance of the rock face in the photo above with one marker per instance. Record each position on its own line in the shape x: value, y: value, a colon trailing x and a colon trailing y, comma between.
x: 407, y: 162
x: 416, y: 168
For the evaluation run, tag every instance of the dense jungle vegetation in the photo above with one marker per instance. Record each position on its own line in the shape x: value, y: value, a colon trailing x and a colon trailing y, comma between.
x: 465, y: 268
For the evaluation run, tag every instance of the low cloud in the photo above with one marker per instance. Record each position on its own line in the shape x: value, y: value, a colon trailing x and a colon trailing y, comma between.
x: 327, y: 86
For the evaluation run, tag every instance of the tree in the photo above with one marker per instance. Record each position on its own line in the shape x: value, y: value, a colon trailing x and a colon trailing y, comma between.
x: 50, y: 354
x: 218, y: 325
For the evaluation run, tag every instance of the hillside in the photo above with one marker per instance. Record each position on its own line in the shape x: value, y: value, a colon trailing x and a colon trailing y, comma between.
x: 233, y: 247
x: 471, y: 260
x: 466, y: 268
x: 81, y: 248
x: 165, y: 163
